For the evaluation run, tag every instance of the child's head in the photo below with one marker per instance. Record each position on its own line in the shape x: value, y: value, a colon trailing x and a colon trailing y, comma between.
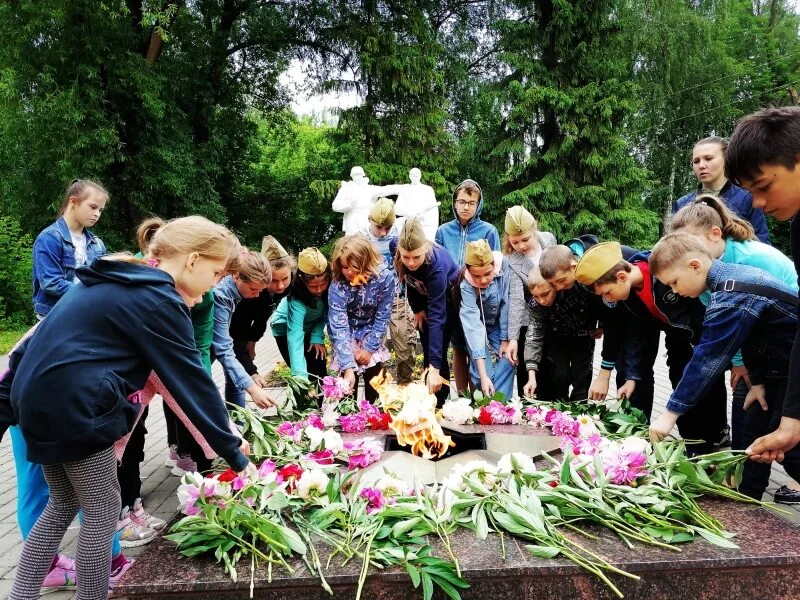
x: 313, y: 272
x: 200, y: 251
x: 84, y: 201
x: 605, y: 272
x: 254, y: 274
x: 412, y: 247
x: 479, y: 262
x: 521, y: 231
x: 543, y: 293
x: 282, y: 264
x: 466, y: 200
x: 762, y: 157
x: 381, y: 217
x: 708, y: 160
x: 354, y: 260
x: 681, y: 261
x: 557, y: 265
x: 710, y: 220
x: 146, y: 230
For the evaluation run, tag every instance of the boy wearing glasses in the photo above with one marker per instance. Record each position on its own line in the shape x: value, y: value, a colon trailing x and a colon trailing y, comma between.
x: 454, y: 235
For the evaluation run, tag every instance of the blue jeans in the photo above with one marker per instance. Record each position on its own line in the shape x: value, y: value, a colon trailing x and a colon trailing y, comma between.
x: 500, y: 371
x: 32, y: 490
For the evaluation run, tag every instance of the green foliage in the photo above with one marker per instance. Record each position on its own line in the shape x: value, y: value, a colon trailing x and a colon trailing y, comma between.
x: 16, y: 267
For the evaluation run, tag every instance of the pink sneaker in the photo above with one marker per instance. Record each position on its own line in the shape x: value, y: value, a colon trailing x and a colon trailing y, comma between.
x: 120, y: 570
x: 142, y: 517
x: 61, y: 577
x: 184, y: 465
x: 172, y: 456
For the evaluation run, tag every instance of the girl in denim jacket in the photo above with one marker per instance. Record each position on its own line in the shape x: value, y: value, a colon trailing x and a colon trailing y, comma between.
x: 67, y: 244
x: 484, y: 316
x: 359, y: 308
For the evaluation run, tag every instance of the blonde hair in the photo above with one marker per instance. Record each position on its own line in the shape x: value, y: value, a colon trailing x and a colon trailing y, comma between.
x: 359, y: 254
x: 508, y: 249
x: 195, y: 234
x: 555, y: 259
x: 80, y: 188
x: 146, y: 230
x: 399, y: 267
x: 254, y: 267
x: 536, y: 280
x: 673, y: 247
x: 284, y: 262
x: 707, y: 211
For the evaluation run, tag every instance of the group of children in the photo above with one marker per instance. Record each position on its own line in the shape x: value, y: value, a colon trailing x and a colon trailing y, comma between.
x: 528, y: 313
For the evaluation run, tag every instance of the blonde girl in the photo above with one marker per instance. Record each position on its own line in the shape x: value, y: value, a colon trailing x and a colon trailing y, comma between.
x: 359, y: 309
x: 136, y: 320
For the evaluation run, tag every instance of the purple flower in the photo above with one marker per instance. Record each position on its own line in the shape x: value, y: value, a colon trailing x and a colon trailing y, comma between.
x: 354, y: 423
x: 290, y: 430
x: 362, y: 453
x: 374, y: 498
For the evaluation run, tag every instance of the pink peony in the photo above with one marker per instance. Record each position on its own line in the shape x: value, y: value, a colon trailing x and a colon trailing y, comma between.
x: 266, y: 468
x: 370, y: 411
x: 314, y: 420
x: 335, y: 388
x: 623, y: 467
x: 321, y: 457
x: 362, y: 453
x: 355, y: 423
x: 290, y: 430
x: 375, y: 499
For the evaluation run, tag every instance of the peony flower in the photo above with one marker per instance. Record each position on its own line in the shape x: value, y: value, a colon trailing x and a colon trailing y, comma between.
x: 374, y: 498
x: 485, y: 417
x: 536, y: 415
x: 194, y: 486
x: 290, y: 430
x: 335, y: 388
x: 369, y: 410
x: 391, y: 486
x: 516, y: 461
x: 355, y: 423
x: 636, y: 444
x: 331, y: 440
x: 289, y: 474
x: 312, y: 482
x: 330, y: 416
x: 362, y: 453
x: 314, y: 420
x: 314, y: 437
x: 586, y: 426
x: 266, y: 468
x: 227, y: 475
x: 381, y: 422
x: 623, y: 466
x: 458, y: 411
x: 321, y: 457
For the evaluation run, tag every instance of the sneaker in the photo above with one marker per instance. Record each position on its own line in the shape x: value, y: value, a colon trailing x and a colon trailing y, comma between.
x: 119, y: 571
x: 132, y: 534
x: 61, y: 577
x: 140, y: 516
x: 786, y: 495
x: 172, y: 456
x: 184, y: 465
x: 724, y: 438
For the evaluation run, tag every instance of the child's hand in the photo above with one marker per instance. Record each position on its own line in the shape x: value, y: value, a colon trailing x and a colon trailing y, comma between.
x: 260, y: 397
x: 259, y: 380
x: 596, y: 334
x: 756, y: 393
x: 599, y: 388
x: 662, y: 427
x: 737, y: 374
x: 245, y: 447
x: 529, y: 390
x: 363, y: 357
x: 251, y: 350
x: 773, y: 446
x: 350, y: 377
x: 419, y: 320
x: 487, y: 387
x: 626, y: 390
x: 319, y: 350
x: 508, y: 349
x: 434, y: 380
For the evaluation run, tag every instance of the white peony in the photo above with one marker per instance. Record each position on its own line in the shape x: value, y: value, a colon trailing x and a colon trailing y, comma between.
x: 314, y: 436
x: 523, y: 462
x: 458, y: 411
x: 586, y: 426
x: 330, y: 416
x: 636, y: 444
x: 311, y: 482
x: 516, y: 404
x: 332, y: 440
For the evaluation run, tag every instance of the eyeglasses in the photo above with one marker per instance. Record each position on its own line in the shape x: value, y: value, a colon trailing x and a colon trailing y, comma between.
x: 466, y: 204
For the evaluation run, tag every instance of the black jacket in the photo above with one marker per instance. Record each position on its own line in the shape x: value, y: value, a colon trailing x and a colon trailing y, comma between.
x: 70, y: 381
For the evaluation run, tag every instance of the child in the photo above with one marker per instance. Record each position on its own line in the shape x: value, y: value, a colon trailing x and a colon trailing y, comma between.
x: 251, y: 280
x: 431, y: 276
x: 749, y: 309
x: 732, y: 240
x: 359, y: 308
x: 622, y: 276
x: 381, y: 229
x: 298, y: 324
x: 249, y: 319
x: 484, y: 318
x: 708, y: 164
x: 454, y: 236
x: 557, y: 266
x: 67, y: 244
x: 138, y: 323
x: 523, y: 244
x: 559, y: 342
x: 763, y: 157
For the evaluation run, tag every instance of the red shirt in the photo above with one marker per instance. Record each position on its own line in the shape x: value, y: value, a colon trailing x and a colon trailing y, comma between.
x: 646, y: 293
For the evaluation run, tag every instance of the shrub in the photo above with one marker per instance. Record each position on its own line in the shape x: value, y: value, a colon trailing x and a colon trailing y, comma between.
x: 16, y: 272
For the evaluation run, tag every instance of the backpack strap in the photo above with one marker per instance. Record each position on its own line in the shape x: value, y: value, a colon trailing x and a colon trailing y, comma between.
x: 767, y: 291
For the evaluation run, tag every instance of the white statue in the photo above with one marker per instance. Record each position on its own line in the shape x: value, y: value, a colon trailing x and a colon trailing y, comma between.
x: 355, y: 198
x: 416, y: 199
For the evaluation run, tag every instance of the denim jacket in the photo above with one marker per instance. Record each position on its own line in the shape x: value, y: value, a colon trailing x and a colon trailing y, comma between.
x: 762, y: 327
x: 226, y: 297
x: 492, y: 305
x: 359, y: 313
x: 54, y: 263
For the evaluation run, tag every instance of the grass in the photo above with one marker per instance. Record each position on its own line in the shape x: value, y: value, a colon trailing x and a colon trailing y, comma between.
x: 9, y: 338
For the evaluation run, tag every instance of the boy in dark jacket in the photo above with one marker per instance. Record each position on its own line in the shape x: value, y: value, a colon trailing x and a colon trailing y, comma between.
x: 749, y: 309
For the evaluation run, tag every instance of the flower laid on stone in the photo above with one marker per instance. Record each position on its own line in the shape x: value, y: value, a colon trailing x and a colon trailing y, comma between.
x: 458, y: 411
x: 335, y: 388
x: 362, y: 453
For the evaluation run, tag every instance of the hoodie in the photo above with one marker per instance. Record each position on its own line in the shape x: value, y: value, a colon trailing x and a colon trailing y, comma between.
x: 454, y: 237
x: 73, y: 383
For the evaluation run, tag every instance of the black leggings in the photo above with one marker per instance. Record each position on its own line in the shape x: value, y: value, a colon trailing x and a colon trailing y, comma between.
x: 128, y: 474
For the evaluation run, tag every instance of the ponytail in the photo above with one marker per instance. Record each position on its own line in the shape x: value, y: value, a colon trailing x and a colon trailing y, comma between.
x: 709, y: 211
x: 145, y: 232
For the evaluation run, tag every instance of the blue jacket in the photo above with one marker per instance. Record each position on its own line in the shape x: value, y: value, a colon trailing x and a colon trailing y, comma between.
x: 71, y: 380
x: 763, y: 327
x: 430, y: 289
x: 359, y: 313
x: 740, y: 201
x: 54, y: 263
x: 226, y: 297
x: 454, y: 237
x: 490, y: 312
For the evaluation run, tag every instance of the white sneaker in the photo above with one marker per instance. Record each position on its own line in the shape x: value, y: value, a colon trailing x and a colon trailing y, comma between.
x: 131, y: 533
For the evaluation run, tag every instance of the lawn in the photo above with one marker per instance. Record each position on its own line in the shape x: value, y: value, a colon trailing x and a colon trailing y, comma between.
x: 9, y: 338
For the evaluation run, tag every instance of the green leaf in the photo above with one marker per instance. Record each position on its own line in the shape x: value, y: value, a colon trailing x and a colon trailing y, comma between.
x: 413, y: 572
x: 543, y: 551
x: 715, y: 539
x: 427, y: 586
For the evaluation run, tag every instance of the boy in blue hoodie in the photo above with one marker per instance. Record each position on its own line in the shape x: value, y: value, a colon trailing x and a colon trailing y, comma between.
x: 454, y: 236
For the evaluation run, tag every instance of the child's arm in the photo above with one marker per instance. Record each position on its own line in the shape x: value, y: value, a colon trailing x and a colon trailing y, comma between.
x: 470, y: 314
x: 493, y: 238
x: 296, y: 336
x: 516, y: 304
x: 223, y: 344
x: 534, y: 343
x: 377, y: 333
x: 49, y: 261
x: 203, y: 325
x: 339, y: 325
x: 436, y: 315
